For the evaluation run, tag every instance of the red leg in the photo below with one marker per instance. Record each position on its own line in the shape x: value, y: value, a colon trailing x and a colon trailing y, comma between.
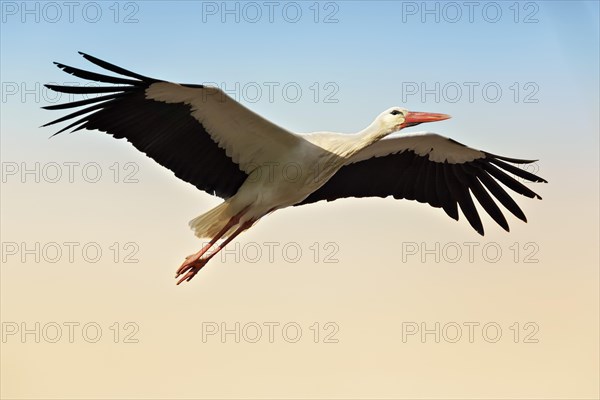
x: 189, y: 260
x: 195, y: 266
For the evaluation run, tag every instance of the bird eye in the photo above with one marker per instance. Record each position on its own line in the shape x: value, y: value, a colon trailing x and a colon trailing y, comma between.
x: 396, y: 112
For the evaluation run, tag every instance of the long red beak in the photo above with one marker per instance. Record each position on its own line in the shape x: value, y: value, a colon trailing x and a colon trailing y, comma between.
x: 415, y: 118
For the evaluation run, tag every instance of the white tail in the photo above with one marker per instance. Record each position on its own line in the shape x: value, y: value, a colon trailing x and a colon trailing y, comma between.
x: 211, y: 222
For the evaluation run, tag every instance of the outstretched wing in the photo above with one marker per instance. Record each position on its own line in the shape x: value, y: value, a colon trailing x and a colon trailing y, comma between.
x: 432, y: 169
x: 205, y: 137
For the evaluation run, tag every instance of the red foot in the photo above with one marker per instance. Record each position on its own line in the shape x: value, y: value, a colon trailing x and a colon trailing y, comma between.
x: 195, y: 262
x: 190, y: 268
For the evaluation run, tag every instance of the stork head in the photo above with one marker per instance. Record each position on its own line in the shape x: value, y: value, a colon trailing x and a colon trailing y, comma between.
x: 397, y: 118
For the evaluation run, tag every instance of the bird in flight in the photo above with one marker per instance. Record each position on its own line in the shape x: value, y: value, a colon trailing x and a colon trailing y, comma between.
x: 210, y: 140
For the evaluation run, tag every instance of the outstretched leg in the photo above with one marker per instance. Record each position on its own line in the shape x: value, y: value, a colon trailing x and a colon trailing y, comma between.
x: 194, y: 263
x: 195, y: 257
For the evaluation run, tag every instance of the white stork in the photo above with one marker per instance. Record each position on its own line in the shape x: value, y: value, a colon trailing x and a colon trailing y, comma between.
x: 213, y: 142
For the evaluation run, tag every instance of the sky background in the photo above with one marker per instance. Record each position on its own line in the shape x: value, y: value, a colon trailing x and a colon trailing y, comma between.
x: 92, y: 235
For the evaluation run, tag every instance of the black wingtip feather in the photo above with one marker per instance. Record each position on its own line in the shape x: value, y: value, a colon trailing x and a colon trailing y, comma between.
x: 89, y: 89
x: 448, y: 204
x: 80, y: 103
x: 116, y: 69
x: 509, y: 159
x: 93, y: 76
x: 517, y: 171
x: 484, y: 198
x: 80, y: 112
x: 502, y: 196
x: 460, y: 192
x: 510, y: 182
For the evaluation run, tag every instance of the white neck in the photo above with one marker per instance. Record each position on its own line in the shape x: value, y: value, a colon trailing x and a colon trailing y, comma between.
x: 358, y: 141
x: 342, y: 146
